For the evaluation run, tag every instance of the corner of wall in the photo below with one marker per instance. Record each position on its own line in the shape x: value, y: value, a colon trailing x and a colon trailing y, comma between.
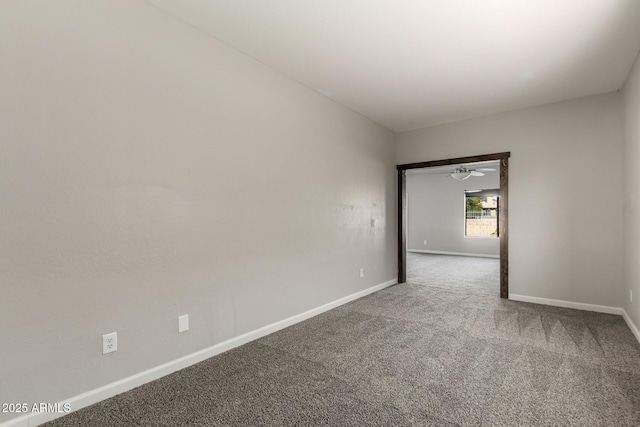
x: 631, y: 191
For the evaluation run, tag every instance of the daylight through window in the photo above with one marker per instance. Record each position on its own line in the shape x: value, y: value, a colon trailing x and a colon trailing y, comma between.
x: 481, y: 213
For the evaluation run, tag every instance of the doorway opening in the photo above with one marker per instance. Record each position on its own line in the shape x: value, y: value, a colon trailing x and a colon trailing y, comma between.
x: 482, y: 212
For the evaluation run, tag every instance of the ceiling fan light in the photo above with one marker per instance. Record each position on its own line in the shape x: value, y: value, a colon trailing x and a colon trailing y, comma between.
x: 460, y: 176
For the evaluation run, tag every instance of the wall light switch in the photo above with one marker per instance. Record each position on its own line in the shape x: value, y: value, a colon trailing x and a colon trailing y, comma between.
x: 183, y: 323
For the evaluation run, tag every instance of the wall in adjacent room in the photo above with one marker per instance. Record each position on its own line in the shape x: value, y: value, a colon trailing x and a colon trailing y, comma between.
x: 565, y: 192
x: 631, y: 198
x: 149, y: 171
x: 436, y: 213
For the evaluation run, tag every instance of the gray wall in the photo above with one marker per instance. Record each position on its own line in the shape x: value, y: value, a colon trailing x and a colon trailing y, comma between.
x: 565, y: 192
x: 436, y: 213
x: 632, y: 194
x: 149, y: 171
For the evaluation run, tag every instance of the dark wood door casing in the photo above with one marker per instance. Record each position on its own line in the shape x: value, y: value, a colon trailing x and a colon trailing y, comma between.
x: 503, y: 215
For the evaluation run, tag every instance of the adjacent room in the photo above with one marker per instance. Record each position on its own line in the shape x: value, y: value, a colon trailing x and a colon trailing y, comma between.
x: 453, y: 226
x: 207, y: 217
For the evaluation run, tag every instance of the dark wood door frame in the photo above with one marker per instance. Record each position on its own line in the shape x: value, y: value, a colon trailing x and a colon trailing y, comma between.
x: 503, y: 219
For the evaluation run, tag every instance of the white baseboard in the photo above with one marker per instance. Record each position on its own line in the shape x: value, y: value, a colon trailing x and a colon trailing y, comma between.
x: 452, y: 253
x: 93, y: 396
x: 631, y: 325
x: 567, y: 304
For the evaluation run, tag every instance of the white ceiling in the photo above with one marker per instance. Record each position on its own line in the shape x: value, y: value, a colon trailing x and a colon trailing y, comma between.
x: 408, y: 64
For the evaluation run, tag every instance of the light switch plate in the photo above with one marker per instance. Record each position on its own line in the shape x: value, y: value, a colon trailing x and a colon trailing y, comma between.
x: 183, y: 323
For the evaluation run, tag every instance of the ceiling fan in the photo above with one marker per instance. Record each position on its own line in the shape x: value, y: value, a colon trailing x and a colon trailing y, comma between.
x: 461, y: 173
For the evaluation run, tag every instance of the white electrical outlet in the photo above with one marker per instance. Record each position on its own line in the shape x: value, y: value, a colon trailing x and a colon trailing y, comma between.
x: 109, y: 342
x: 425, y: 242
x: 362, y: 272
x: 183, y: 323
x: 630, y: 295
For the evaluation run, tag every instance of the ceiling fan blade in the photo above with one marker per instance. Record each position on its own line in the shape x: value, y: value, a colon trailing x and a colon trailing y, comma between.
x: 486, y: 169
x: 476, y: 173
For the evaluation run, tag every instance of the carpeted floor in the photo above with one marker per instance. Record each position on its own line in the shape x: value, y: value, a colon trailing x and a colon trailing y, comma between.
x: 441, y: 350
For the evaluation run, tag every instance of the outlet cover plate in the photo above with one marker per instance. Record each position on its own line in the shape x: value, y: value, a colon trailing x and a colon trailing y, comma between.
x: 109, y: 343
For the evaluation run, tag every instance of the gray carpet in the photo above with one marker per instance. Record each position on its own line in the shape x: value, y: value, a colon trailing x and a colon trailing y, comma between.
x: 441, y: 350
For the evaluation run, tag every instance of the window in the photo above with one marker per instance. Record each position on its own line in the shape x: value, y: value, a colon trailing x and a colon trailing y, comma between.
x: 481, y: 212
